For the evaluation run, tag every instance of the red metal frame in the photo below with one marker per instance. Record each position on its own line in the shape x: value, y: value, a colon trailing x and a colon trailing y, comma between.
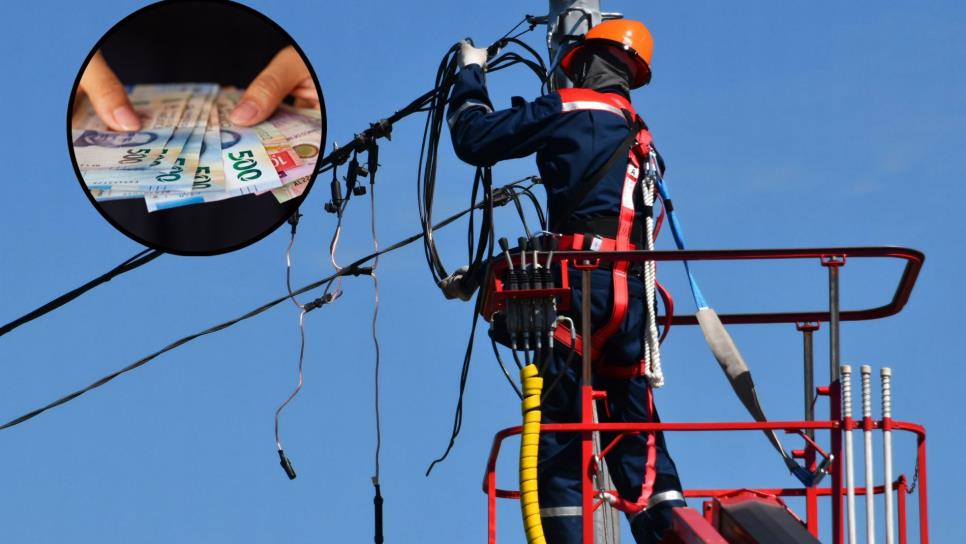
x: 811, y: 494
x: 912, y: 257
x: 834, y: 424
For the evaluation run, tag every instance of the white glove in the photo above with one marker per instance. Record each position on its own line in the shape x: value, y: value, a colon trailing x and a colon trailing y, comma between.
x: 457, y: 285
x: 471, y: 55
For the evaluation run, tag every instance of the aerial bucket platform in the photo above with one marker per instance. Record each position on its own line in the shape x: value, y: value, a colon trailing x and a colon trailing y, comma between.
x: 741, y: 515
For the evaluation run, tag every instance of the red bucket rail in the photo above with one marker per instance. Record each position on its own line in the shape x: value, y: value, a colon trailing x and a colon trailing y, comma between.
x: 807, y: 322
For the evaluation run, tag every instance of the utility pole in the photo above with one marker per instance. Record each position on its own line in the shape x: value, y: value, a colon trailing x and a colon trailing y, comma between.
x: 566, y: 21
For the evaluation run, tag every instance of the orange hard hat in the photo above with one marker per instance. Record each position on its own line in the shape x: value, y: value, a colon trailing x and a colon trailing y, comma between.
x: 631, y: 36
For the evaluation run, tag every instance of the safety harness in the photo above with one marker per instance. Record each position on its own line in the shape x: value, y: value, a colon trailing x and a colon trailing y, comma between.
x: 638, y: 149
x: 641, y: 155
x: 637, y: 194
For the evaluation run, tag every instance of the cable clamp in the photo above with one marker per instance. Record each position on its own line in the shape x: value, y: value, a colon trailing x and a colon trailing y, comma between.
x: 319, y: 302
x: 381, y: 129
x: 359, y: 271
x: 501, y: 196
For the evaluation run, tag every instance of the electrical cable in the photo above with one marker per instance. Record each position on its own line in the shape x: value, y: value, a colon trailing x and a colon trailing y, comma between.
x: 140, y: 259
x: 541, y: 217
x: 429, y: 149
x: 376, y: 483
x: 464, y: 374
x: 478, y: 307
x: 571, y: 355
x: 283, y: 459
x: 506, y: 372
x: 523, y: 218
x: 375, y: 316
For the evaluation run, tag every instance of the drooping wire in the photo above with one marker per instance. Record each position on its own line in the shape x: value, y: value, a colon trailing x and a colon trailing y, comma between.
x: 140, y: 259
x: 375, y: 317
x: 426, y: 186
x: 464, y: 373
x: 285, y: 462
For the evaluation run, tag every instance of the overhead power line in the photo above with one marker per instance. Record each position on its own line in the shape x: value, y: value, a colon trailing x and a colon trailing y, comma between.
x: 140, y: 259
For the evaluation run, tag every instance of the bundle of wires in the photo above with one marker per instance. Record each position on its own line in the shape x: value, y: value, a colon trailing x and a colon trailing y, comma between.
x: 477, y: 243
x: 480, y: 244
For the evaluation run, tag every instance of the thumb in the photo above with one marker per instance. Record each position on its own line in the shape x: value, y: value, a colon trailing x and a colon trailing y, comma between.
x: 272, y: 85
x: 107, y: 95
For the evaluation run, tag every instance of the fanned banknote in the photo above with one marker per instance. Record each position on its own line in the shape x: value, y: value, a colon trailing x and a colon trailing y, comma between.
x: 276, y: 144
x: 96, y: 147
x: 173, y: 169
x: 305, y: 134
x: 189, y: 152
x: 208, y: 183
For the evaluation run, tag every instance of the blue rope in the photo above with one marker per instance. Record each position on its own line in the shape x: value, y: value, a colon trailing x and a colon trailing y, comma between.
x: 678, y: 235
x: 807, y: 478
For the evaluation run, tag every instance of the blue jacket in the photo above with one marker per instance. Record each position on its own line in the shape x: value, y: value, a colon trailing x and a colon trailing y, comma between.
x: 570, y: 145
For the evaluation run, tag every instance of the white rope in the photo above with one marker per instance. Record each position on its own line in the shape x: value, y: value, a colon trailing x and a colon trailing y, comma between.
x: 652, y: 347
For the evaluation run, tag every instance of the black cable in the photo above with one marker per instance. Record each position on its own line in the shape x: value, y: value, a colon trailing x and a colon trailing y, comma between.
x: 523, y: 218
x: 541, y: 217
x: 464, y: 374
x: 506, y: 372
x: 477, y: 309
x: 429, y: 148
x: 516, y: 358
x: 140, y: 259
x: 428, y: 158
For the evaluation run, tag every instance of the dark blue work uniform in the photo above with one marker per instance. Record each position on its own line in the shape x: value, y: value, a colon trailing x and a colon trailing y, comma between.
x: 570, y: 145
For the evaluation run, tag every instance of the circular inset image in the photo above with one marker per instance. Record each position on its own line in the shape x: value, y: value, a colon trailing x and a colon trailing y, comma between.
x: 195, y: 126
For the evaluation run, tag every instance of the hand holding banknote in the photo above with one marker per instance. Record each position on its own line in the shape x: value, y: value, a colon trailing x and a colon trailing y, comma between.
x: 107, y: 95
x: 285, y: 75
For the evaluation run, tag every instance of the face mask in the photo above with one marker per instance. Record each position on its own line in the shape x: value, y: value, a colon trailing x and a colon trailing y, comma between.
x: 603, y: 69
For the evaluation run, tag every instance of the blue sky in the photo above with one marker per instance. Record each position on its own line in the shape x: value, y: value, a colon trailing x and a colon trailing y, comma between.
x: 783, y: 126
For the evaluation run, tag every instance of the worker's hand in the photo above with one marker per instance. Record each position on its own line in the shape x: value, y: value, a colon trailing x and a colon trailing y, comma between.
x: 107, y: 95
x: 285, y: 75
x: 459, y: 285
x: 471, y: 55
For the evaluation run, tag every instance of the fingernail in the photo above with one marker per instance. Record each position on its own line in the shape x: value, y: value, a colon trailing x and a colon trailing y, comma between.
x: 244, y: 112
x: 127, y: 118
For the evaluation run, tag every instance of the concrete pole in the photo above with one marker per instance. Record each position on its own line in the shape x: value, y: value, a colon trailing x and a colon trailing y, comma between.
x: 566, y: 20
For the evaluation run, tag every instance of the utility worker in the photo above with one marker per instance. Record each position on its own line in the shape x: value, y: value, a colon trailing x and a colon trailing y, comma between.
x: 584, y: 139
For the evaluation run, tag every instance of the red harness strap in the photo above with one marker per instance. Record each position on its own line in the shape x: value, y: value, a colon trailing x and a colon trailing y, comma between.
x: 583, y: 100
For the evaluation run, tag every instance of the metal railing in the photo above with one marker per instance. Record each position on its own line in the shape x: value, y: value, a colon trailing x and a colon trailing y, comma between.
x: 836, y: 424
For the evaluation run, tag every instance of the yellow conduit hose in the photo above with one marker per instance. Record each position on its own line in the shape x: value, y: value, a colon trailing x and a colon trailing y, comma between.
x: 529, y: 446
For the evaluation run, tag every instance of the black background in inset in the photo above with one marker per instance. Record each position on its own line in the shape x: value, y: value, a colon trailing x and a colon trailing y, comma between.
x: 197, y: 41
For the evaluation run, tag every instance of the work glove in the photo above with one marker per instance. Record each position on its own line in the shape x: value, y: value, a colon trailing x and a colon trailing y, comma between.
x: 459, y: 285
x: 471, y: 55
